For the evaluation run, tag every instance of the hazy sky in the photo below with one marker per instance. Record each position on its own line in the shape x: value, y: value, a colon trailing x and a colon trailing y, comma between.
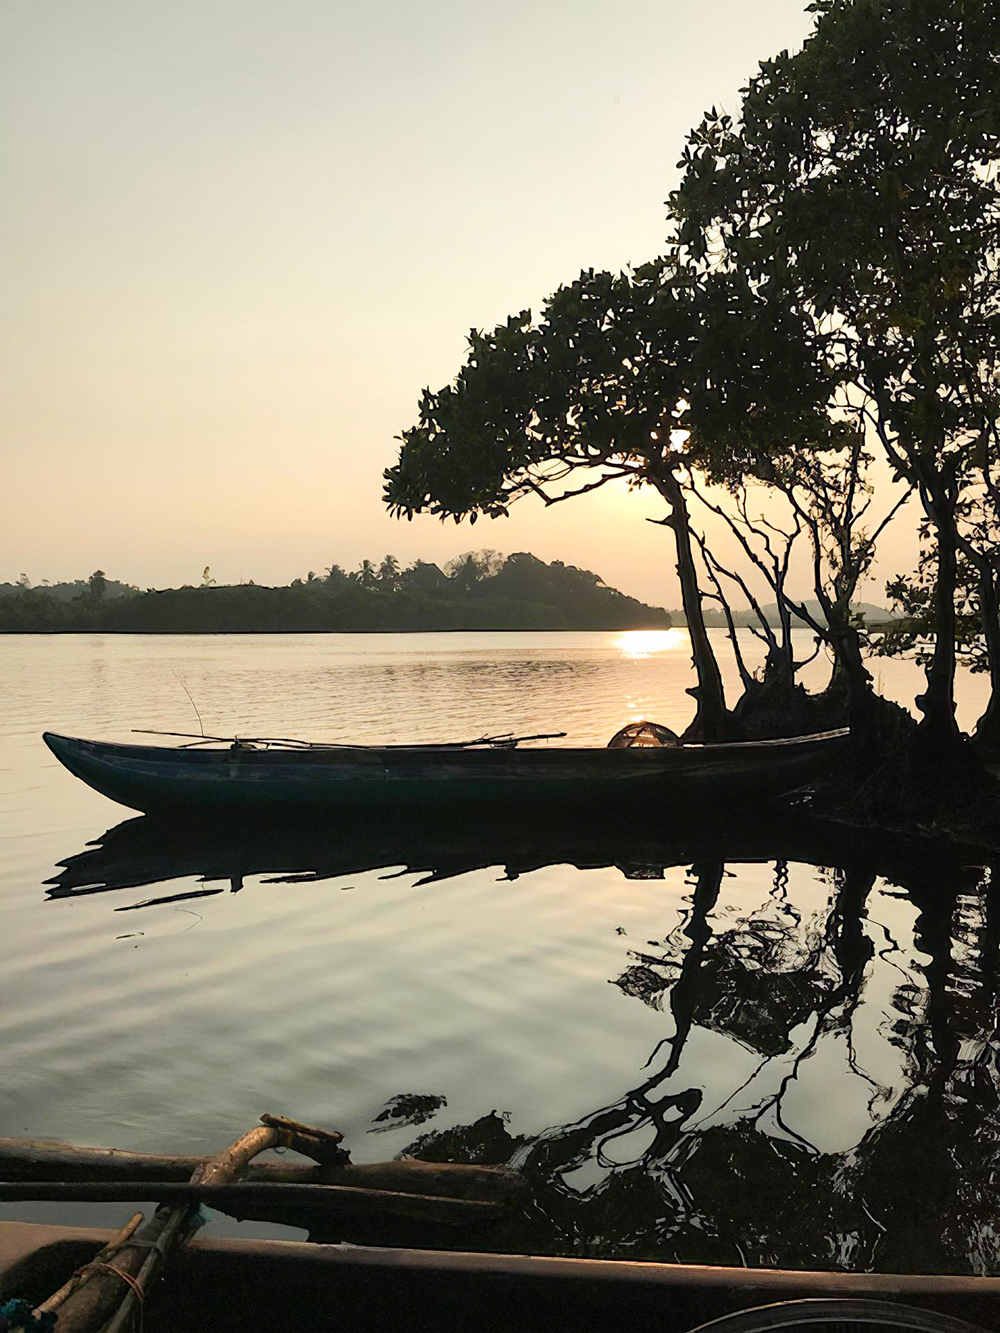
x: 238, y: 237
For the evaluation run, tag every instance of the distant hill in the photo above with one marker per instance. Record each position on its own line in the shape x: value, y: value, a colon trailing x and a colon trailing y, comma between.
x: 477, y: 591
x: 743, y: 616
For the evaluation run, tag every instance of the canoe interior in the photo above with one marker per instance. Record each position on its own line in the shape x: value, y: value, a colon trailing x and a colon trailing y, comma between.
x: 158, y: 778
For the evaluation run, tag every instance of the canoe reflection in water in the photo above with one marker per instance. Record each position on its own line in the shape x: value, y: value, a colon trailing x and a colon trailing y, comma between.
x: 664, y: 1171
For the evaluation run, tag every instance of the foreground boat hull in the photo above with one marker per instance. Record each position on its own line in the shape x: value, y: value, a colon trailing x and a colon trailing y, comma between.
x: 222, y: 1285
x: 156, y: 779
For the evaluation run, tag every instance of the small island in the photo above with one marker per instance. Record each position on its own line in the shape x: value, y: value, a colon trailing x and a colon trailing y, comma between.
x: 480, y: 590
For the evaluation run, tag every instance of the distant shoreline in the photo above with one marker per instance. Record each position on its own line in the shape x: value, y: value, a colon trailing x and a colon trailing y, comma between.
x: 483, y: 593
x: 273, y: 633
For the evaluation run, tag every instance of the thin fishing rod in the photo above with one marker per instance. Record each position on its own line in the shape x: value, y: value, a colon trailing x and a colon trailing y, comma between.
x: 189, y: 695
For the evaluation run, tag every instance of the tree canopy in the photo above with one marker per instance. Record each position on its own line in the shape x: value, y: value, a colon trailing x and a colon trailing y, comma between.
x: 618, y: 380
x: 860, y: 186
x: 829, y: 286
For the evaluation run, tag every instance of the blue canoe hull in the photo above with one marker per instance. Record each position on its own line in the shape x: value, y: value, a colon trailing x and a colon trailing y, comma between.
x: 157, y: 779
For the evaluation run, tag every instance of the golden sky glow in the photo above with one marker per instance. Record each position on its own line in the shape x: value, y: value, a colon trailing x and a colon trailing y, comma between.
x: 237, y: 239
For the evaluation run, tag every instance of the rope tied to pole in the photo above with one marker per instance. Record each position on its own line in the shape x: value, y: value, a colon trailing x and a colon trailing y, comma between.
x: 127, y: 1278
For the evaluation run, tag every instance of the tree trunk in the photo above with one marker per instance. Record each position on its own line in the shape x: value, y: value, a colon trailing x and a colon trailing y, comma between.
x: 711, y: 722
x: 849, y: 662
x: 850, y: 685
x: 779, y: 670
x: 938, y: 727
x: 987, y: 734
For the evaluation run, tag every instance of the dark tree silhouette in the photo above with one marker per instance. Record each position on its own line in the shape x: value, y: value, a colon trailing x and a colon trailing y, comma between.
x: 860, y: 185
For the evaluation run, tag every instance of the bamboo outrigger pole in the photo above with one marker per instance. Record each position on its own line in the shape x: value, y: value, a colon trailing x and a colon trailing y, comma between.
x: 108, y: 1293
x: 25, y: 1159
x: 98, y: 1300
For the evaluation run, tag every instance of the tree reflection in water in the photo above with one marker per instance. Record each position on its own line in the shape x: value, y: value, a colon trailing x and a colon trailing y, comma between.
x: 661, y: 1174
x: 670, y: 1170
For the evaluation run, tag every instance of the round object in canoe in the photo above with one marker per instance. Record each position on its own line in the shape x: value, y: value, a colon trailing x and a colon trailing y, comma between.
x: 643, y: 735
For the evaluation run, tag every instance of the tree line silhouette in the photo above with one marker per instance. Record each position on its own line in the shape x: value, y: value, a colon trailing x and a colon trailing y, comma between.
x: 479, y: 590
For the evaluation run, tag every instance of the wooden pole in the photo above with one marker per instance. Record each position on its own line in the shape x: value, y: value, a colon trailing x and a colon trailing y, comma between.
x: 105, y: 1292
x: 99, y: 1294
x: 99, y: 1300
x: 103, y: 1256
x: 42, y: 1159
x: 238, y: 1197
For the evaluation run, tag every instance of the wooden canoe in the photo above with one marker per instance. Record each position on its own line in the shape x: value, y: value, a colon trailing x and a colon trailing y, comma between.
x: 156, y: 779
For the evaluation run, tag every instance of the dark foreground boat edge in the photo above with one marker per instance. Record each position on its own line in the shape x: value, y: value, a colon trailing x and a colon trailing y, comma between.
x: 226, y: 1285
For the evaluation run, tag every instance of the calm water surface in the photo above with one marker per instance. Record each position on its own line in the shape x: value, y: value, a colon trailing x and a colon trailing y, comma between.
x: 723, y: 1040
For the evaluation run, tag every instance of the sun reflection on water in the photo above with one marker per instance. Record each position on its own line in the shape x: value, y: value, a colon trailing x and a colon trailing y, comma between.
x: 636, y: 643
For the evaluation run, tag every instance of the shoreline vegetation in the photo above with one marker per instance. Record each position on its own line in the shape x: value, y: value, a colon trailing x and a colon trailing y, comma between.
x: 421, y: 598
x: 478, y: 591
